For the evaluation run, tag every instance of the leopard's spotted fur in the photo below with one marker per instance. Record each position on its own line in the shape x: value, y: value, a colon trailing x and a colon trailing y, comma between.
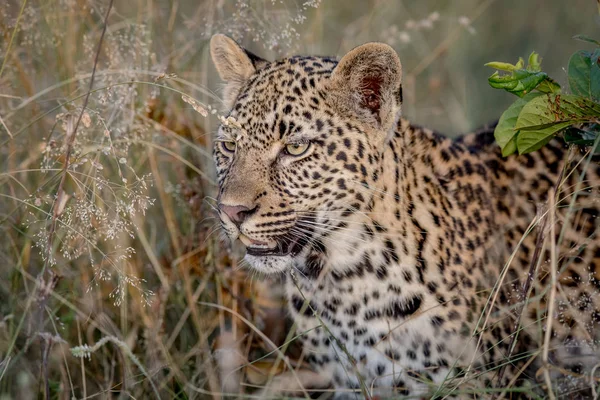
x: 393, y: 238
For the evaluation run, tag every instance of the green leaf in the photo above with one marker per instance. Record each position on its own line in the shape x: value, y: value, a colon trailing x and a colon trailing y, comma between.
x: 549, y: 86
x: 536, y: 114
x: 534, y: 62
x: 576, y: 108
x: 546, y: 111
x: 505, y: 132
x: 584, y: 74
x: 519, y: 82
x: 502, y: 66
x: 529, y: 141
x: 585, y: 38
x: 520, y: 64
x: 544, y: 116
x: 510, y: 147
x: 522, y: 80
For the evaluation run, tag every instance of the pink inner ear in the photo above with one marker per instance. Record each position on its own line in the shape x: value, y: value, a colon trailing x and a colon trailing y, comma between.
x: 370, y: 91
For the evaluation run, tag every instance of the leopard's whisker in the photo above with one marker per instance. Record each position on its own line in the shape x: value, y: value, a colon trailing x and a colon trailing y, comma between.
x: 329, y: 239
x: 366, y: 213
x: 334, y: 229
x: 214, y: 228
x: 330, y: 229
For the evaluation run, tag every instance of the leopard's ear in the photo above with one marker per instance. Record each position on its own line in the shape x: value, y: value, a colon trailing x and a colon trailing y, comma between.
x: 367, y: 82
x: 234, y: 65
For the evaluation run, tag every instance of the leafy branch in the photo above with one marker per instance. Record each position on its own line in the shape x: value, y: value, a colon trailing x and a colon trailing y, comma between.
x: 542, y: 110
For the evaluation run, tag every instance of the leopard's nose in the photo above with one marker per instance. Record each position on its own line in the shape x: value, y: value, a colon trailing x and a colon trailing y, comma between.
x: 237, y: 214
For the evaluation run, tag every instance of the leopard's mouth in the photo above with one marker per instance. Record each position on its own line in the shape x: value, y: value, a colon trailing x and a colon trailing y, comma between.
x: 277, y: 248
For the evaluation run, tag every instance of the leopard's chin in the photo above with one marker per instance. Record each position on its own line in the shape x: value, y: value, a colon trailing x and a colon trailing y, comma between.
x: 269, y: 264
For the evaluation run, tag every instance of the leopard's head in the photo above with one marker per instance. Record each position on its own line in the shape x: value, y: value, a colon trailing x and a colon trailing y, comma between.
x: 303, y: 134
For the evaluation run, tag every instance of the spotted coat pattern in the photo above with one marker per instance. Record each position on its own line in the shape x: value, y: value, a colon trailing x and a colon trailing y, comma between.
x: 397, y: 246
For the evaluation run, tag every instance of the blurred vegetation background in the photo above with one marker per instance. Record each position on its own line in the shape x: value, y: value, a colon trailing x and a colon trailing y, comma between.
x: 109, y: 239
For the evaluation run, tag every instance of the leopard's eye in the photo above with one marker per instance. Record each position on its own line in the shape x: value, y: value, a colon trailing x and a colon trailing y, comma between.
x: 228, y: 146
x: 297, y: 149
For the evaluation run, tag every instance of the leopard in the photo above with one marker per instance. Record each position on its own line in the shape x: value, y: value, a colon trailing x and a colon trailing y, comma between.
x: 414, y: 264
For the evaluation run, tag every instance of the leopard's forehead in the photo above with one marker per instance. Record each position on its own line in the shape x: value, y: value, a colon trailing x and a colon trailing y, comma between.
x: 291, y: 90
